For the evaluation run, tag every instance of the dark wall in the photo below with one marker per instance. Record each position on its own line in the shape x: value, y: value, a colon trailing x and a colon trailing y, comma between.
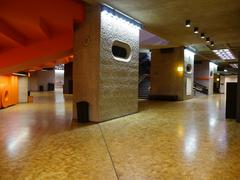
x: 68, y: 79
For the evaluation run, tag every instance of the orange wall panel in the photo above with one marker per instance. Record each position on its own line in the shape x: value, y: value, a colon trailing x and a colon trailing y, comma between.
x: 8, y: 91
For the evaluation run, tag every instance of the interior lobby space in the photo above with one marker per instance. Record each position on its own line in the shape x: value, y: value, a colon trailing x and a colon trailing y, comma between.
x: 125, y: 90
x: 184, y: 140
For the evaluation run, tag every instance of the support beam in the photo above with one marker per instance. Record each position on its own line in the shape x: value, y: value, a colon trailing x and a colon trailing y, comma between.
x: 10, y: 32
x: 45, y: 28
x: 238, y: 90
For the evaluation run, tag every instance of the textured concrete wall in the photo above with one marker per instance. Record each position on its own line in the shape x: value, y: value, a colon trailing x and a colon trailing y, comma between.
x: 165, y: 79
x: 110, y: 86
x: 87, y: 62
x: 118, y: 80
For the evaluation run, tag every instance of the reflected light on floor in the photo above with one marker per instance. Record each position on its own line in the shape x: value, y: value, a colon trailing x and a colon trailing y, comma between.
x: 190, y: 144
x: 212, y: 122
x: 15, y: 143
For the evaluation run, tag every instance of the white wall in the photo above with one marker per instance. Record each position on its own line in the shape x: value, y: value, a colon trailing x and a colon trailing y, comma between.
x: 23, y: 89
x: 188, y: 76
x: 41, y: 78
x: 59, y: 79
x: 226, y: 79
x: 213, y: 69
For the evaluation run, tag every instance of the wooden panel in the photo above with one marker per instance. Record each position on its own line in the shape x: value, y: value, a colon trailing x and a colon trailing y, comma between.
x: 8, y: 91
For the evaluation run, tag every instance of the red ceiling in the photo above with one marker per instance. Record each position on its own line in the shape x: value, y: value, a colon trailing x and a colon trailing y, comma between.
x: 34, y: 29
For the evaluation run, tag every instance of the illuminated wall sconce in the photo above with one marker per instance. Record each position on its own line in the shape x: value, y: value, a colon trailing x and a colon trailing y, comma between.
x: 218, y: 79
x: 180, y: 69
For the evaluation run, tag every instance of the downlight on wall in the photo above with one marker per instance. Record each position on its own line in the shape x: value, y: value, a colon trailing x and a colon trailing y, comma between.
x: 224, y: 54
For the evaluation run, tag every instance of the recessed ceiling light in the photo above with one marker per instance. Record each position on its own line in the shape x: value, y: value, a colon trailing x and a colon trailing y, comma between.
x: 195, y: 30
x: 224, y: 54
x: 207, y: 39
x: 202, y: 35
x: 188, y: 23
x: 234, y: 65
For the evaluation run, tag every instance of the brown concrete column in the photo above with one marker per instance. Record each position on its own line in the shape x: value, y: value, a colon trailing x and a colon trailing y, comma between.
x: 171, y: 74
x: 238, y: 90
x: 108, y: 83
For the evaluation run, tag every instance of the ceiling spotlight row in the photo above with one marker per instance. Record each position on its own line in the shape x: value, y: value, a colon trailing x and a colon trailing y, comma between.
x: 196, y: 31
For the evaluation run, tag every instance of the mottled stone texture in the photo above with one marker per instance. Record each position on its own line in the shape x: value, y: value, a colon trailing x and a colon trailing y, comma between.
x: 118, y: 80
x: 110, y: 86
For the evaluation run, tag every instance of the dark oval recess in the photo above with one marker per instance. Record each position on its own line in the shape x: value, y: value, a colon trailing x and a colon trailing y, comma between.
x: 119, y: 52
x: 189, y: 68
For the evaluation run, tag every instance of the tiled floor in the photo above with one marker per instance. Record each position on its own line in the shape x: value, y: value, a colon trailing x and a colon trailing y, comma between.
x: 165, y: 140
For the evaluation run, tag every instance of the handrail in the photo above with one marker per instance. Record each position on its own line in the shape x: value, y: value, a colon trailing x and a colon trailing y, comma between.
x: 198, y: 84
x: 141, y: 78
x: 200, y: 88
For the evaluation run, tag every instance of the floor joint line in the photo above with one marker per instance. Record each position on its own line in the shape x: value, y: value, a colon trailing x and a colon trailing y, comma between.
x: 104, y: 139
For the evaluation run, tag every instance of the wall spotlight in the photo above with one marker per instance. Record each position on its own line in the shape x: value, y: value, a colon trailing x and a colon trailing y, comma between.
x: 188, y: 23
x: 195, y: 30
x: 180, y: 69
x: 212, y: 43
x: 207, y: 39
x: 202, y: 35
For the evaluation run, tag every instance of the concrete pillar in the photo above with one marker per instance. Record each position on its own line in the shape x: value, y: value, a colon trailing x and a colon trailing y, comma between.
x: 172, y: 74
x: 238, y: 90
x: 108, y: 83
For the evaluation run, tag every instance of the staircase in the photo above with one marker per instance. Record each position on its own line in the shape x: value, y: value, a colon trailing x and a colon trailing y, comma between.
x: 200, y: 88
x: 144, y: 86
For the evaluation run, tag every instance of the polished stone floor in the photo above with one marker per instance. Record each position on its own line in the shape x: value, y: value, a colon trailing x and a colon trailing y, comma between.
x: 165, y: 140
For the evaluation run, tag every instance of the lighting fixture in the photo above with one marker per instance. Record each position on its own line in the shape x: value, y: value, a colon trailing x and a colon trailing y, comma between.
x: 234, y: 65
x: 19, y: 74
x: 196, y: 30
x: 218, y: 79
x: 225, y: 70
x: 116, y: 15
x: 180, y: 69
x: 207, y: 39
x: 202, y: 35
x: 224, y: 54
x: 212, y: 43
x: 188, y: 23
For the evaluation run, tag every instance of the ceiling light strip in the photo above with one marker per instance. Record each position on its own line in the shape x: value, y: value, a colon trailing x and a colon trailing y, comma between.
x: 121, y: 15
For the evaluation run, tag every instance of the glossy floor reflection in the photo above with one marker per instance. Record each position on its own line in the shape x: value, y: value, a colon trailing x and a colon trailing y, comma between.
x: 165, y: 140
